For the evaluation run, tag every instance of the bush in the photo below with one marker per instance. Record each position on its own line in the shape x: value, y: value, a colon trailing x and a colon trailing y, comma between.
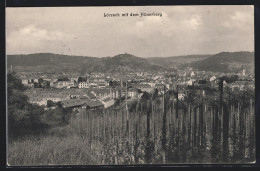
x: 25, y: 118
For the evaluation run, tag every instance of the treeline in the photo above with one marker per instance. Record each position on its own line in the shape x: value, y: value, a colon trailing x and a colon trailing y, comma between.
x: 25, y: 118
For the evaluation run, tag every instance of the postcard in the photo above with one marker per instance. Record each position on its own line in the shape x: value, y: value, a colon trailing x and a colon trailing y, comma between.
x: 130, y: 85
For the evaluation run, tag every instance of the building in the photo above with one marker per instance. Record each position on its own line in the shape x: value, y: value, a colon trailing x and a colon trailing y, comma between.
x: 108, y: 102
x: 132, y: 93
x: 41, y: 96
x: 181, y: 95
x: 148, y: 90
x: 85, y: 103
x: 212, y: 78
x: 102, y: 94
x: 241, y: 85
x: 83, y: 84
x: 25, y: 81
x: 189, y: 82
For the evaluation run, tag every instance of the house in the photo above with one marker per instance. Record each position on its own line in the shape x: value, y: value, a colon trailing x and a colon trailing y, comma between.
x: 212, y: 78
x: 90, y: 95
x: 192, y: 74
x: 167, y: 86
x: 25, y: 81
x: 108, y: 102
x: 152, y: 84
x: 132, y: 93
x: 241, y: 85
x: 181, y: 95
x: 101, y: 94
x: 83, y: 84
x: 63, y: 84
x: 41, y: 96
x: 189, y: 82
x: 101, y: 85
x: 148, y: 90
x: 85, y: 103
x: 159, y: 86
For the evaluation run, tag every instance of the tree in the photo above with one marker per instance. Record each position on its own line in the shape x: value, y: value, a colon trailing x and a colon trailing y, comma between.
x: 155, y: 94
x: 37, y: 85
x: 50, y: 103
x: 22, y: 116
x: 14, y: 83
x: 82, y: 79
x: 63, y: 78
x: 145, y: 96
x: 111, y: 83
x: 40, y: 80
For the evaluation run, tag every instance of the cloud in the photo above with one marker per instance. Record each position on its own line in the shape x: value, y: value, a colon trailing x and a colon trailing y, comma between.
x: 85, y: 31
x: 241, y: 17
x: 34, y: 38
x: 194, y: 22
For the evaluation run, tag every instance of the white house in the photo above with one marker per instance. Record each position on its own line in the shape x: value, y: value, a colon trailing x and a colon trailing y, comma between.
x: 132, y: 93
x: 108, y: 102
x: 25, y: 81
x: 181, y: 95
x: 189, y: 82
x: 83, y: 84
x: 212, y: 78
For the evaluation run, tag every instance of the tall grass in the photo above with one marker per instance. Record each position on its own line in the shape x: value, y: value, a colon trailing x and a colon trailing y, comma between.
x: 61, y: 147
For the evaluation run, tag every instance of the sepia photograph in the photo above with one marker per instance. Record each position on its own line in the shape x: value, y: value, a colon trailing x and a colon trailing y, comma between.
x: 130, y: 85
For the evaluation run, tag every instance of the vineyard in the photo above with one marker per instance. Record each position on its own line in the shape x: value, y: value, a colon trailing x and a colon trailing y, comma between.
x: 207, y: 125
x: 215, y: 127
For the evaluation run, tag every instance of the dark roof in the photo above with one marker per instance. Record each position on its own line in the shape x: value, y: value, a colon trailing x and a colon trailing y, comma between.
x: 90, y: 95
x: 99, y: 90
x: 202, y: 82
x: 80, y: 102
x: 159, y: 85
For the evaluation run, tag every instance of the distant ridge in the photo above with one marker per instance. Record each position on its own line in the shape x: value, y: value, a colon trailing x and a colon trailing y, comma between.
x: 176, y: 60
x: 226, y: 62
x: 37, y: 59
x: 42, y: 62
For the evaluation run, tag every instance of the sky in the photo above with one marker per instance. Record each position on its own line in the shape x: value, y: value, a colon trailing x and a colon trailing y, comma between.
x: 84, y: 31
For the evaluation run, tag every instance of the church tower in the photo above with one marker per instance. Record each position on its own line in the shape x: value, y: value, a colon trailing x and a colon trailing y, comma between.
x: 11, y: 70
x: 243, y: 71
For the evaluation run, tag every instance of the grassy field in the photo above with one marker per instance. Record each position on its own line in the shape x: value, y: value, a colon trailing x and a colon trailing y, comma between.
x: 61, y: 147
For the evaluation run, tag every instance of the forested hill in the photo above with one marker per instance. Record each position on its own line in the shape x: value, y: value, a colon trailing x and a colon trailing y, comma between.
x: 226, y: 62
x: 176, y: 60
x: 39, y: 59
x: 41, y: 62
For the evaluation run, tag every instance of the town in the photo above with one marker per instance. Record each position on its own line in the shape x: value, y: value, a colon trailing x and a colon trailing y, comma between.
x: 101, y: 90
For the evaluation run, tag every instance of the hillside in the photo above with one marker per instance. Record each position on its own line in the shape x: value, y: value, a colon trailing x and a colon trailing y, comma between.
x: 226, y: 62
x: 42, y: 62
x: 39, y: 59
x: 176, y: 60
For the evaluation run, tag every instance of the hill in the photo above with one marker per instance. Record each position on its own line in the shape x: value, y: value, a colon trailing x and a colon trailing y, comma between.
x: 55, y: 63
x: 176, y: 61
x: 38, y: 59
x: 42, y: 62
x: 226, y: 62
